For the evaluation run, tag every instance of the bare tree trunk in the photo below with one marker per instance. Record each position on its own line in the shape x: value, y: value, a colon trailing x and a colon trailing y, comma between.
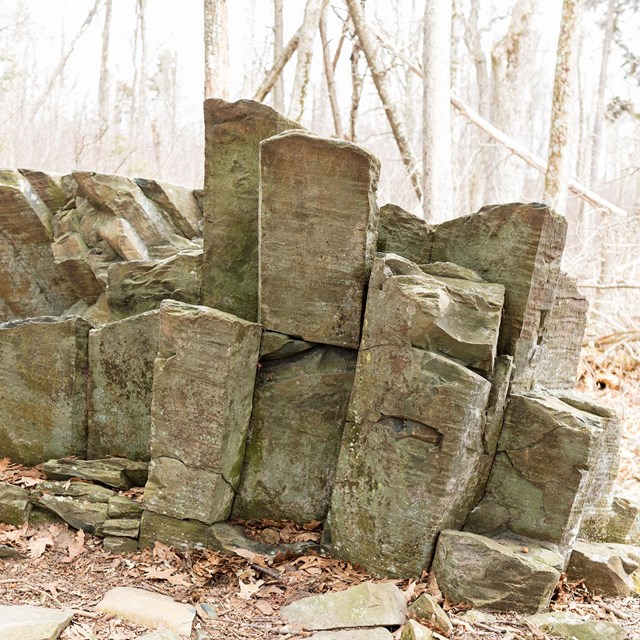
x: 436, y: 112
x: 308, y: 31
x: 328, y: 72
x: 216, y: 49
x: 555, y: 182
x: 278, y: 45
x: 356, y: 85
x: 273, y: 74
x: 141, y: 89
x: 103, y: 86
x: 378, y: 73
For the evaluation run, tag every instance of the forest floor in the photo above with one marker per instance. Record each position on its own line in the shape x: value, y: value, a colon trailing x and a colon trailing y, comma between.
x: 61, y: 568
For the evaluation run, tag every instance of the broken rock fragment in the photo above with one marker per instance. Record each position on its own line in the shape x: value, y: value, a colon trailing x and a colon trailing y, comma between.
x: 24, y: 622
x: 415, y: 631
x: 426, y: 608
x: 403, y: 233
x: 14, y: 504
x: 119, y: 473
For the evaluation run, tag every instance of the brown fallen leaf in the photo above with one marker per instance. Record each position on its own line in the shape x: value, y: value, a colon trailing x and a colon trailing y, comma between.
x: 248, y: 590
x: 38, y: 545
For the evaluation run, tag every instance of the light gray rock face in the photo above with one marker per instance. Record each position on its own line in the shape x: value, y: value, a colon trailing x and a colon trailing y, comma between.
x: 563, y: 624
x: 121, y: 360
x: 233, y: 133
x: 365, y: 605
x: 24, y: 622
x: 43, y: 386
x: 48, y: 186
x: 31, y: 284
x: 326, y: 237
x: 558, y: 353
x: 202, y: 391
x: 496, y: 575
x: 141, y: 285
x: 404, y: 234
x: 426, y: 608
x: 299, y: 410
x: 519, y: 246
x: 14, y: 504
x: 540, y: 477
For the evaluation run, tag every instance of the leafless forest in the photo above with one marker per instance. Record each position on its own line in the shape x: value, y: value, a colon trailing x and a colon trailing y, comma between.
x: 494, y: 101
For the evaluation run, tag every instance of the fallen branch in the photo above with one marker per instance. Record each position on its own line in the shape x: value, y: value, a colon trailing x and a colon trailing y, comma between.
x: 275, y: 71
x: 620, y: 336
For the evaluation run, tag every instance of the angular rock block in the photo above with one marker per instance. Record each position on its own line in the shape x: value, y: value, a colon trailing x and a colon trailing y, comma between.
x: 233, y: 133
x: 121, y: 360
x: 43, y: 386
x: 202, y: 390
x: 558, y: 353
x: 404, y: 234
x: 623, y: 525
x: 181, y: 534
x: 325, y: 236
x: 540, y: 477
x: 48, y: 186
x: 141, y: 285
x: 14, y: 504
x: 496, y: 575
x: 519, y: 246
x: 299, y: 410
x: 118, y: 473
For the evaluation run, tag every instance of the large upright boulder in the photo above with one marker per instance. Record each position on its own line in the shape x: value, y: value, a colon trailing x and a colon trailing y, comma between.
x: 233, y: 133
x: 519, y: 246
x: 121, y: 359
x: 43, y: 387
x: 202, y: 390
x: 318, y: 218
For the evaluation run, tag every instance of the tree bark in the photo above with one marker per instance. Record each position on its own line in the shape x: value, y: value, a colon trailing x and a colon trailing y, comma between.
x: 103, y: 85
x: 216, y: 49
x: 436, y: 114
x: 328, y: 72
x: 278, y: 46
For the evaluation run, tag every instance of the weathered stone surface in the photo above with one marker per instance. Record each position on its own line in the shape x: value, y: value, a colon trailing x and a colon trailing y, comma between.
x: 233, y: 132
x: 325, y: 236
x: 563, y: 624
x: 14, y: 504
x: 493, y: 574
x: 426, y: 608
x: 74, y: 489
x: 24, y: 622
x: 121, y: 359
x: 365, y: 605
x: 115, y: 544
x: 150, y: 609
x: 181, y: 534
x: 540, y: 476
x: 48, y: 186
x: 450, y: 270
x: 624, y: 521
x: 121, y: 527
x: 299, y: 409
x: 403, y: 233
x: 375, y: 633
x: 202, y: 390
x: 138, y: 286
x: 519, y: 246
x: 415, y: 631
x: 560, y: 342
x: 8, y: 552
x: 43, y: 381
x: 275, y: 346
x: 177, y: 202
x: 80, y: 514
x: 607, y: 569
x: 121, y: 507
x: 119, y: 473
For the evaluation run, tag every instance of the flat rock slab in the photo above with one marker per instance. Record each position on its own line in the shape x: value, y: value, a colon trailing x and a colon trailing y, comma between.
x: 562, y: 624
x: 43, y: 387
x: 365, y: 605
x: 494, y: 574
x: 161, y: 635
x: 119, y: 473
x: 373, y: 633
x: 233, y: 132
x: 318, y: 218
x: 24, y: 622
x: 181, y: 534
x: 299, y: 410
x: 149, y: 609
x: 403, y: 233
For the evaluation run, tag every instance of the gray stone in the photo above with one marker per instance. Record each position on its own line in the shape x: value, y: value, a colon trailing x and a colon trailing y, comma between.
x: 493, y: 574
x: 326, y: 236
x: 372, y: 633
x: 450, y: 270
x: 229, y: 538
x: 121, y: 527
x: 24, y: 622
x: 415, y: 631
x: 116, y: 544
x: 275, y: 346
x: 563, y: 624
x: 121, y: 359
x: 121, y: 507
x: 14, y: 504
x: 233, y: 132
x: 623, y: 525
x: 119, y: 473
x: 519, y: 246
x: 299, y: 409
x: 365, y: 605
x: 80, y: 514
x: 181, y: 534
x: 149, y: 609
x: 75, y: 489
x: 48, y: 186
x: 405, y: 234
x: 202, y: 390
x: 43, y: 382
x: 8, y: 552
x: 426, y: 608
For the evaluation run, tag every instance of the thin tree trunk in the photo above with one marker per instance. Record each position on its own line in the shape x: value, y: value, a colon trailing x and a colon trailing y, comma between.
x: 141, y: 112
x: 216, y: 49
x: 103, y: 86
x: 356, y: 86
x: 328, y: 72
x: 555, y: 178
x: 385, y: 92
x: 308, y: 31
x: 436, y: 113
x: 273, y: 74
x: 278, y: 45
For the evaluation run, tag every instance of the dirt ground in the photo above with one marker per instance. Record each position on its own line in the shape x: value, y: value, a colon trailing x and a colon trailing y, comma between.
x: 63, y: 568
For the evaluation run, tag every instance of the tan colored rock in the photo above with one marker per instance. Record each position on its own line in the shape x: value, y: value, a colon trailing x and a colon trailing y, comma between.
x: 25, y: 622
x: 427, y: 609
x: 116, y: 544
x: 415, y: 631
x: 48, y: 186
x: 325, y: 236
x: 405, y: 234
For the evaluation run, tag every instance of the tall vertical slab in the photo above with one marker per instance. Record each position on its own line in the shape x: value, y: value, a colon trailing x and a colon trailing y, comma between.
x: 233, y: 133
x: 43, y: 387
x: 318, y: 218
x: 202, y: 390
